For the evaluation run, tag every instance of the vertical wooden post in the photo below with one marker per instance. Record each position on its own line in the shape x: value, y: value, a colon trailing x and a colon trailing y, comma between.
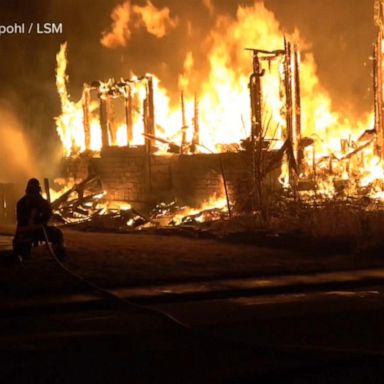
x: 111, y: 121
x: 149, y: 114
x: 149, y: 127
x: 330, y: 165
x: 225, y: 185
x: 298, y: 148
x: 196, y: 127
x: 378, y: 87
x: 86, y: 121
x: 288, y: 89
x: 375, y: 90
x: 128, y: 114
x: 344, y: 145
x: 256, y: 99
x: 290, y: 103
x: 256, y: 130
x: 103, y: 115
x: 183, y: 124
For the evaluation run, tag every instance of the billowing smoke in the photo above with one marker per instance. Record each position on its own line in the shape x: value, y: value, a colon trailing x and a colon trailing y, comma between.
x: 16, y: 155
x: 128, y: 18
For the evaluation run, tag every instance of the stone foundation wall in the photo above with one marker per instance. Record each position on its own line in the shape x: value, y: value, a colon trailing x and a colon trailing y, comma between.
x: 122, y: 173
x: 77, y: 168
x: 196, y: 178
x: 129, y: 175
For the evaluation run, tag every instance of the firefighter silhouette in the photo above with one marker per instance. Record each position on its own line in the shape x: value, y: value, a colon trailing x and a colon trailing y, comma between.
x: 33, y: 213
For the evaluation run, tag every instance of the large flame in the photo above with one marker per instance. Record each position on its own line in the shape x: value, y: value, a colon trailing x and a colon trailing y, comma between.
x: 128, y: 18
x: 70, y: 122
x: 223, y: 97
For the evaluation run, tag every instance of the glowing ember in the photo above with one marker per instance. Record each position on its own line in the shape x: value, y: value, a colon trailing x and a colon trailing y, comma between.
x: 219, y: 204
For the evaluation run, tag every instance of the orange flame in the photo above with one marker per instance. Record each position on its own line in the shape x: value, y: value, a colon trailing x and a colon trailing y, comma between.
x: 127, y: 18
x: 224, y: 110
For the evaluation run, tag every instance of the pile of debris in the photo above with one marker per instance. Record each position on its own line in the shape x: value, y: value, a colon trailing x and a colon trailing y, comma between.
x: 85, y: 207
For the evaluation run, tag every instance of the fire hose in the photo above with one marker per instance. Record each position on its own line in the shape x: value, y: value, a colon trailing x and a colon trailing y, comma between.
x: 180, y: 324
x: 141, y: 308
x: 109, y: 294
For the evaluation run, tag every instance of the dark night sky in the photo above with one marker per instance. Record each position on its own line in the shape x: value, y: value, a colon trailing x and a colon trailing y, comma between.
x: 341, y: 33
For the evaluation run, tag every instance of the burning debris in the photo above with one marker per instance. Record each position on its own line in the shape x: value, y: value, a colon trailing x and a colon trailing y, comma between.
x: 206, y: 215
x: 85, y: 207
x: 79, y: 202
x: 173, y: 214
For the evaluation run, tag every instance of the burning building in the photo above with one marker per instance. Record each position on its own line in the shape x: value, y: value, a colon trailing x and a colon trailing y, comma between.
x: 233, y: 138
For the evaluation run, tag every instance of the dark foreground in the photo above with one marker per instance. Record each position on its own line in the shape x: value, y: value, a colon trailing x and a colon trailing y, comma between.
x: 327, y: 337
x: 270, y: 327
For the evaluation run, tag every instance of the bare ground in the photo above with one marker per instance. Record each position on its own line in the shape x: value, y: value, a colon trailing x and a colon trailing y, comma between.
x: 113, y: 260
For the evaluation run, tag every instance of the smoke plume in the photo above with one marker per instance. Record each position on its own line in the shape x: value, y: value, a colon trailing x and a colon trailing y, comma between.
x: 17, y: 161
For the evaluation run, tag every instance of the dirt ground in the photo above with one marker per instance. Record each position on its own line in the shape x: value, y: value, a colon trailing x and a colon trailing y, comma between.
x: 113, y: 260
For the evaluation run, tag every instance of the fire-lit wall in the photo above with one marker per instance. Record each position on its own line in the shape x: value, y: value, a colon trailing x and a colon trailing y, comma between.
x: 129, y: 175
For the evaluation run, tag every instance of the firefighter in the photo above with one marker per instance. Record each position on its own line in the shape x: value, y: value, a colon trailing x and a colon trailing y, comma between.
x: 33, y: 213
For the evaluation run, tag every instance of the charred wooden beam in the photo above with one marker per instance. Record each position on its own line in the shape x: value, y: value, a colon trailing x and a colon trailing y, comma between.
x: 149, y: 128
x: 288, y: 89
x: 290, y: 112
x: 356, y: 151
x: 183, y: 124
x: 314, y: 167
x: 298, y: 148
x: 86, y: 120
x: 274, y: 53
x: 149, y: 114
x: 104, y: 121
x: 225, y: 184
x: 378, y: 92
x: 375, y: 90
x: 256, y: 127
x: 78, y: 188
x: 111, y: 118
x: 128, y: 114
x: 173, y: 147
x: 196, y: 127
x: 72, y: 204
x: 256, y: 98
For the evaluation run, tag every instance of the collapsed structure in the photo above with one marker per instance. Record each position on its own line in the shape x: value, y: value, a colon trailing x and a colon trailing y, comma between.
x: 119, y: 138
x: 124, y: 146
